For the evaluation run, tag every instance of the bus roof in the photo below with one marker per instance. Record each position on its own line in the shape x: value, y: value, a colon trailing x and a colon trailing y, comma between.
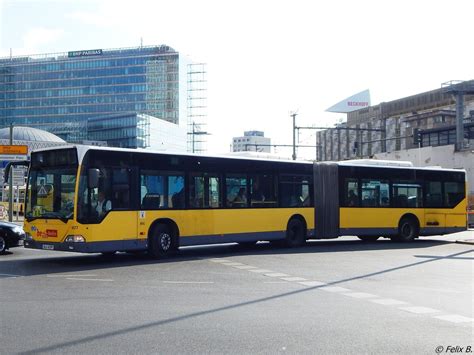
x: 82, y: 149
x: 370, y: 163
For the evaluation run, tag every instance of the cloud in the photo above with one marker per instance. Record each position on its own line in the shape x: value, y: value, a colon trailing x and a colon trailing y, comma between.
x: 40, y: 36
x: 92, y: 19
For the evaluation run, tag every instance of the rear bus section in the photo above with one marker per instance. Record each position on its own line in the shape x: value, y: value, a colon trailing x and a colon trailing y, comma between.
x: 400, y: 202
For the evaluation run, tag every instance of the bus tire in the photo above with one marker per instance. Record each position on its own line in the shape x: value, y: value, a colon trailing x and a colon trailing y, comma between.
x: 368, y: 238
x: 295, y: 233
x: 408, y: 229
x: 162, y: 241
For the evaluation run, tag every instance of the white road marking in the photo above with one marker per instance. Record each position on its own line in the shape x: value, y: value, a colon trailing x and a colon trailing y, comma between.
x: 233, y: 264
x: 188, y: 282
x: 334, y: 289
x: 312, y: 283
x: 81, y: 279
x: 259, y: 271
x: 454, y: 318
x: 274, y: 282
x: 72, y: 275
x: 360, y: 295
x: 276, y: 274
x: 419, y: 310
x: 388, y: 301
x: 245, y: 267
x: 291, y: 279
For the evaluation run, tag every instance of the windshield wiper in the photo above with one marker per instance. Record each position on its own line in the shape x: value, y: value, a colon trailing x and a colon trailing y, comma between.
x: 51, y: 214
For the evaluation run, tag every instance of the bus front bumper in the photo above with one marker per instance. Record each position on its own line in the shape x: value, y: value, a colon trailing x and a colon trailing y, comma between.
x: 90, y: 247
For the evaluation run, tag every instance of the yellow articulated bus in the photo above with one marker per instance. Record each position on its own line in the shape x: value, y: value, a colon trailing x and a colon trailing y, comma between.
x: 103, y: 200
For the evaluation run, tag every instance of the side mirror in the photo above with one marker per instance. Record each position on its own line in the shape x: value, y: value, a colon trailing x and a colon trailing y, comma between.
x: 93, y: 178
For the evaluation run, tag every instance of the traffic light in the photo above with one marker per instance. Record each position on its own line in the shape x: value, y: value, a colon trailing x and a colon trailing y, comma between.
x: 416, y: 136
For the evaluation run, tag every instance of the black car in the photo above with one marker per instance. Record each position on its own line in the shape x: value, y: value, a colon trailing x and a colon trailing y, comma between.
x: 11, y: 235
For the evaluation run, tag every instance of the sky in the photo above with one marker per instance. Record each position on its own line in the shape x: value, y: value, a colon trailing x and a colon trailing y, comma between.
x: 267, y: 59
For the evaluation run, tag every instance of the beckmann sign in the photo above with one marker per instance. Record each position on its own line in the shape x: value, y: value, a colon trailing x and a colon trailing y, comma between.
x: 353, y: 103
x: 86, y: 53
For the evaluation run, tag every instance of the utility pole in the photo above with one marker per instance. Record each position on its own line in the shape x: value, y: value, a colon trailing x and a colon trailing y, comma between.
x: 10, y: 182
x: 294, y: 135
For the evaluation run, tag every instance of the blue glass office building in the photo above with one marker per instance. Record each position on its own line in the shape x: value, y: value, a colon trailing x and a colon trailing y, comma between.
x: 61, y: 92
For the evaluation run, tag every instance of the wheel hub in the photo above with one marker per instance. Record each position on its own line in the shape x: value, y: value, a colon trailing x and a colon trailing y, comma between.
x: 165, y: 241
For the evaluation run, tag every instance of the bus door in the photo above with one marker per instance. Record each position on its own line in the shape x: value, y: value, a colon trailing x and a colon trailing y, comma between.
x: 326, y: 200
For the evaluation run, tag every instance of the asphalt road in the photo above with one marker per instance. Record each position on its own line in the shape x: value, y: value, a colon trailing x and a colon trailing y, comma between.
x: 340, y: 296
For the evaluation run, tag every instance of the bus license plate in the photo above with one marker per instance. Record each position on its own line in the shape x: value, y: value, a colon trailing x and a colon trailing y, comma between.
x: 48, y: 247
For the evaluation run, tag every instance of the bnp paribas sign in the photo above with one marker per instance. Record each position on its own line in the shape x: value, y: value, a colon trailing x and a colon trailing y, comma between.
x: 86, y: 53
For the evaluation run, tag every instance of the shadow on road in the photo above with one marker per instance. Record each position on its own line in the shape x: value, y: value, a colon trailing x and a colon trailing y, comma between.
x: 67, y: 263
x: 347, y: 245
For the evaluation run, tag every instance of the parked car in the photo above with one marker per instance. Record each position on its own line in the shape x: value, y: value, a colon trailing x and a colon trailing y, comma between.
x: 11, y: 235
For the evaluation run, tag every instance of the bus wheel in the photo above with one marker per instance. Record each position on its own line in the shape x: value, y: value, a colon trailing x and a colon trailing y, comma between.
x: 295, y: 233
x: 162, y: 241
x: 408, y: 229
x: 3, y: 245
x: 368, y: 238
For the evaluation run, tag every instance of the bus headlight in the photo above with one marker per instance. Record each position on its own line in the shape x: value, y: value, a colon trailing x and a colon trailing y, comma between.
x: 28, y: 236
x: 75, y: 239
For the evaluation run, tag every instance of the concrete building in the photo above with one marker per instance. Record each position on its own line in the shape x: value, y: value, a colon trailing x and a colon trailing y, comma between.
x: 252, y: 141
x: 390, y: 126
x: 62, y: 91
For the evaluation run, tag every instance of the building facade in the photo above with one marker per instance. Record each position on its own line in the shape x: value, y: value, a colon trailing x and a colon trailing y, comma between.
x: 61, y: 92
x: 391, y: 126
x: 252, y: 141
x: 132, y: 130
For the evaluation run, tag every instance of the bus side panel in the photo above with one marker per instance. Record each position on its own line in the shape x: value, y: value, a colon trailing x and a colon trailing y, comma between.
x: 117, y: 225
x: 225, y: 225
x: 374, y: 221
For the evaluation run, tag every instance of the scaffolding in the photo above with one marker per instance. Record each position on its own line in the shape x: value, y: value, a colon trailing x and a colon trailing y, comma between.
x: 197, y: 107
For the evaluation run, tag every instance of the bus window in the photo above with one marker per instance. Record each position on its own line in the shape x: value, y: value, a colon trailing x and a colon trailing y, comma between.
x: 453, y: 193
x: 351, y: 187
x: 204, y: 191
x: 120, y: 188
x: 176, y: 190
x: 295, y: 191
x: 434, y: 195
x: 151, y: 190
x: 407, y: 194
x: 236, y: 190
x: 160, y: 189
x: 375, y: 193
x: 263, y: 191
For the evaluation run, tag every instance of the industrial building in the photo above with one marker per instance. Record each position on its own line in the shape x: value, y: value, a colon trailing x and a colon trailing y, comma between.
x: 394, y: 126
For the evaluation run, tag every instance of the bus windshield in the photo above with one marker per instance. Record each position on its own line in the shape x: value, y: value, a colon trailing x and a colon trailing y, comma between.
x: 51, y: 188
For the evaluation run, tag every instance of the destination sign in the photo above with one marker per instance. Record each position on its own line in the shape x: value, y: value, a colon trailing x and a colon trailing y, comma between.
x: 13, y: 149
